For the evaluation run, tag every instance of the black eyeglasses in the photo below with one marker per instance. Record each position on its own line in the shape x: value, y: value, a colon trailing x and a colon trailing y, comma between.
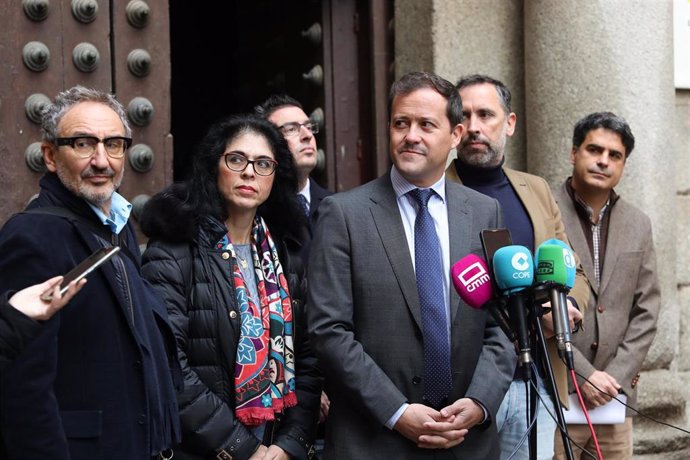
x: 238, y: 163
x: 293, y: 128
x: 85, y: 146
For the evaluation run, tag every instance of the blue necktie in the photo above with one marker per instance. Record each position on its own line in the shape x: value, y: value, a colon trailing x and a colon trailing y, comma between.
x: 305, y: 204
x: 429, y: 273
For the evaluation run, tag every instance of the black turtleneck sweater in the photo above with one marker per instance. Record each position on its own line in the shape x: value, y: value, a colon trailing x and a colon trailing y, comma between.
x: 494, y: 183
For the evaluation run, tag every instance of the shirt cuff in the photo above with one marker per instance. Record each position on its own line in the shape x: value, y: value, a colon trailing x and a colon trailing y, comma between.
x: 486, y: 412
x: 394, y: 419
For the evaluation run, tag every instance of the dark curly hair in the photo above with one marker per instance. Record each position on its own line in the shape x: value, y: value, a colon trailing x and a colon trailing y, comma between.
x: 606, y: 120
x: 281, y: 210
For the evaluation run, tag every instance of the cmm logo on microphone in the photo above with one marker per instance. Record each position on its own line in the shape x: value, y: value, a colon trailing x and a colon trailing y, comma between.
x: 473, y: 276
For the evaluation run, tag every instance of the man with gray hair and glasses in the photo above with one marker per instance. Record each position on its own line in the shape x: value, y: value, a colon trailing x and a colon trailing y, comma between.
x: 98, y: 380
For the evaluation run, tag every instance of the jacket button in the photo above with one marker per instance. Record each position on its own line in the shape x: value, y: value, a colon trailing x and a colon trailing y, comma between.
x: 233, y: 314
x: 635, y: 380
x: 594, y: 345
x: 142, y: 419
x: 225, y: 255
x: 600, y: 309
x: 416, y: 380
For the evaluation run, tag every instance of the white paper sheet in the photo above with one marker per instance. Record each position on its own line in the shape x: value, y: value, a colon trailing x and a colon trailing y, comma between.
x: 611, y: 413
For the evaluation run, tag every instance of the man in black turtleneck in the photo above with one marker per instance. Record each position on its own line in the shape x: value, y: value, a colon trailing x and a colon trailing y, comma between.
x: 532, y: 216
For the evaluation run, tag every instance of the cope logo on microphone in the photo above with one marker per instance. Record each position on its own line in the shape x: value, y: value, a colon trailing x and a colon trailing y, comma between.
x: 520, y: 262
x: 545, y: 267
x: 473, y: 276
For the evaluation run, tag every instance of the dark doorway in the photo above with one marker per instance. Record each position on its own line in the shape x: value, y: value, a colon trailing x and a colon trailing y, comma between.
x: 229, y: 57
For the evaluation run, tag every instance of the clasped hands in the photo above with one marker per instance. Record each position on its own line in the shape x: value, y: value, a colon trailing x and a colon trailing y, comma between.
x: 432, y: 429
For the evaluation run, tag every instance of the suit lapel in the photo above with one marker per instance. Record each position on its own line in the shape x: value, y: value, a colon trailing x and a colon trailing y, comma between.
x: 614, y: 247
x: 390, y: 228
x: 317, y: 193
x: 527, y: 196
x: 108, y: 268
x: 459, y: 214
x: 576, y: 235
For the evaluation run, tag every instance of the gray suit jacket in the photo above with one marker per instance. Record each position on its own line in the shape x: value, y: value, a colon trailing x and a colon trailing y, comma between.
x: 620, y: 323
x: 365, y: 321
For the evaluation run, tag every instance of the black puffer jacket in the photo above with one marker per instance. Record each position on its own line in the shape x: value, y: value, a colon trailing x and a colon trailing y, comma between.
x: 193, y: 278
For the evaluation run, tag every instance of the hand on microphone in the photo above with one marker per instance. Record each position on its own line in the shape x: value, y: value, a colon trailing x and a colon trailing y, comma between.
x: 606, y: 388
x: 574, y: 317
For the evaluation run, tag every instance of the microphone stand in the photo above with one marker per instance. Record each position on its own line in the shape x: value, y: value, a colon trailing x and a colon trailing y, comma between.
x: 534, y: 382
x: 541, y: 294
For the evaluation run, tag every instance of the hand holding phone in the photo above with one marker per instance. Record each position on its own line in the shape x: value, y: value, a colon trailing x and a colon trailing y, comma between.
x: 88, y: 265
x: 29, y: 300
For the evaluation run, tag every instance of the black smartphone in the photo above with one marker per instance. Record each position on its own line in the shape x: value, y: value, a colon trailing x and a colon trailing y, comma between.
x: 88, y: 265
x: 492, y: 240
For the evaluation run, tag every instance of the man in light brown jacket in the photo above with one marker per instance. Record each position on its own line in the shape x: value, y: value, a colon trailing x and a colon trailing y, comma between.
x: 532, y: 216
x: 614, y: 241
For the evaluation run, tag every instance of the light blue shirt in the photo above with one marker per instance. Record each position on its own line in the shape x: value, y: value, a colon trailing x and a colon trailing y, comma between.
x: 120, y: 209
x: 439, y: 212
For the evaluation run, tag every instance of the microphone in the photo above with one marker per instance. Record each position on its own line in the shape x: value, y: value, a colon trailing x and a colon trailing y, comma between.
x: 472, y: 282
x: 568, y: 258
x: 555, y: 268
x: 513, y: 271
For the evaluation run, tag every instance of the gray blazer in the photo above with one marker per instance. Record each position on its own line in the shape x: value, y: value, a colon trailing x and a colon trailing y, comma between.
x: 365, y: 321
x: 620, y: 323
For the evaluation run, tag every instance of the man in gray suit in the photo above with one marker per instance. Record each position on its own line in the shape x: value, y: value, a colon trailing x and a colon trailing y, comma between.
x: 411, y: 368
x: 614, y: 241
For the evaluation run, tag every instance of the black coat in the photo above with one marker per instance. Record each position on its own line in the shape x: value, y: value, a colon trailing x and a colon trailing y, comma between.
x: 16, y: 329
x: 96, y: 382
x: 194, y: 278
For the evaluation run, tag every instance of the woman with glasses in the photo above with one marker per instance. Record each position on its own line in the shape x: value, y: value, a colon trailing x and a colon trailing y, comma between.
x: 222, y: 252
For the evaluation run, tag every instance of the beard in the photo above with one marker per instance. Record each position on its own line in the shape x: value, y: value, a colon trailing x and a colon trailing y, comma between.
x: 487, y: 158
x: 98, y: 196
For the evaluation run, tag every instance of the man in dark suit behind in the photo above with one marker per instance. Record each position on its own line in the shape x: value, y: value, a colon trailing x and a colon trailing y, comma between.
x: 369, y: 316
x: 288, y: 115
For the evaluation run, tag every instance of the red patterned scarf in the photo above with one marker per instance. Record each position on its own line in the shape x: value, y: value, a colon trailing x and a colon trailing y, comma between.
x: 265, y: 361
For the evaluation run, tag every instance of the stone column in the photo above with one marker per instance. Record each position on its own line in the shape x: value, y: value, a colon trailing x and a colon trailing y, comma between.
x: 459, y: 37
x: 615, y: 55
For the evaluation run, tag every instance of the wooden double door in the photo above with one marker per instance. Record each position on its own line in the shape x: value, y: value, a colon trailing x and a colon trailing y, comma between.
x: 179, y: 66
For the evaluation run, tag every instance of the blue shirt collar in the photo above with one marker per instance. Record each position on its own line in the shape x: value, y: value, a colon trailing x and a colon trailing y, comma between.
x: 120, y: 209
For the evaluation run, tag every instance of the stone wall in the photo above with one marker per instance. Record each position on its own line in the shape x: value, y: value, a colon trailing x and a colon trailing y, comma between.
x: 563, y: 60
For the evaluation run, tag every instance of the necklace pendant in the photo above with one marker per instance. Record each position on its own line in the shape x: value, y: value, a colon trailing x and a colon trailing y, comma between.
x: 243, y: 262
